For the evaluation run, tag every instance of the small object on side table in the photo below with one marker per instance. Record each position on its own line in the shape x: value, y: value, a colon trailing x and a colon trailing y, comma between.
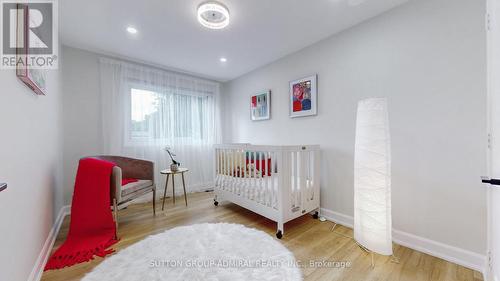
x: 3, y: 186
x: 169, y: 172
x: 174, y: 167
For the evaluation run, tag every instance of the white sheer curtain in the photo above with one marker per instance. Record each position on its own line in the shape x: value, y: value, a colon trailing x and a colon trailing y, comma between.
x: 145, y: 109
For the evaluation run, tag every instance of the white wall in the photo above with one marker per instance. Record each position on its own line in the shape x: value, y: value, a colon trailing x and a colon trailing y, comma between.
x: 31, y: 163
x: 81, y: 111
x: 428, y: 58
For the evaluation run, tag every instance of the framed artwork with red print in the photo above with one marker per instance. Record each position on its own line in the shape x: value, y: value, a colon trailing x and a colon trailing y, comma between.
x: 303, y: 97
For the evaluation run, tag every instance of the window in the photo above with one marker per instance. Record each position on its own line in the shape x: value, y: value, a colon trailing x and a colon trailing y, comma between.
x: 144, y: 105
x: 168, y: 116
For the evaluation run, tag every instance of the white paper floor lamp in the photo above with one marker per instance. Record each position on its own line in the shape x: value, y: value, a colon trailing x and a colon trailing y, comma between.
x: 372, y: 177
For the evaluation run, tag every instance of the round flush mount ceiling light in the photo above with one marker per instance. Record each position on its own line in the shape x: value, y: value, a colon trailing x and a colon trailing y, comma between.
x: 213, y: 15
x: 131, y: 30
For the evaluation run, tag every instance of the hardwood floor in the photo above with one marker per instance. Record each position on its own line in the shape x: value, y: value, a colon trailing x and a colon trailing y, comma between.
x: 307, y: 238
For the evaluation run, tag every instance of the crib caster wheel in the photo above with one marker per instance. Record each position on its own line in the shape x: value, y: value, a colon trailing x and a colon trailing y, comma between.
x: 216, y: 203
x: 279, y: 234
x: 316, y: 215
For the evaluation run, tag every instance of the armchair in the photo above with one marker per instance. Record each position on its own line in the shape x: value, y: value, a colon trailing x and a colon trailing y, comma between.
x: 142, y: 170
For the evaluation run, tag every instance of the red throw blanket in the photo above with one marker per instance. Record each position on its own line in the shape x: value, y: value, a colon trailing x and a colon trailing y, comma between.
x: 92, y: 229
x: 128, y: 180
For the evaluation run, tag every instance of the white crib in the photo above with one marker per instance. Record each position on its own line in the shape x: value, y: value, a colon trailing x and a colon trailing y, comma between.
x: 280, y: 183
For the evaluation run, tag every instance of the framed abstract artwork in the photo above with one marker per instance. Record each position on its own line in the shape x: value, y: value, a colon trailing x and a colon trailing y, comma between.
x: 260, y: 106
x: 34, y: 78
x: 303, y: 97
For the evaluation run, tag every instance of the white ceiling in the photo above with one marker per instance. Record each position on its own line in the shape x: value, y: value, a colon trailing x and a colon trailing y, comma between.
x: 170, y: 36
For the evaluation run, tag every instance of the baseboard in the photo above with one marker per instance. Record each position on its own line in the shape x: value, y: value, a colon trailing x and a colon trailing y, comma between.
x: 339, y: 218
x: 446, y: 252
x: 36, y: 273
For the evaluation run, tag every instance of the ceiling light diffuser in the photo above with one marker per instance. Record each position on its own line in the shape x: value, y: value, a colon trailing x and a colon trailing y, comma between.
x: 213, y: 15
x: 223, y: 59
x: 131, y: 30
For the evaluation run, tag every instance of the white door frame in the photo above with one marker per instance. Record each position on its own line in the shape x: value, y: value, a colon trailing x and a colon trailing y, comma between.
x: 492, y: 270
x: 488, y: 274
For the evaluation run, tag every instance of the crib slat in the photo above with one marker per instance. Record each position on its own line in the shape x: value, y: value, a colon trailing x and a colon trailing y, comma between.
x: 303, y: 175
x: 270, y: 177
x: 226, y: 169
x: 273, y: 179
x: 316, y: 178
x: 235, y: 171
x: 269, y: 195
x: 223, y: 172
x: 241, y: 179
x: 235, y: 159
x: 295, y: 178
x: 239, y: 173
x: 266, y: 179
x: 217, y: 167
x: 220, y: 167
x: 221, y: 164
x: 245, y: 175
x: 229, y: 170
x: 250, y: 175
x: 261, y: 179
x: 233, y: 180
x: 256, y: 178
x: 310, y: 166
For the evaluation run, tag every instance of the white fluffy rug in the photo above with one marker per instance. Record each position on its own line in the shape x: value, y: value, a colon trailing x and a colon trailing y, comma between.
x: 208, y: 252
